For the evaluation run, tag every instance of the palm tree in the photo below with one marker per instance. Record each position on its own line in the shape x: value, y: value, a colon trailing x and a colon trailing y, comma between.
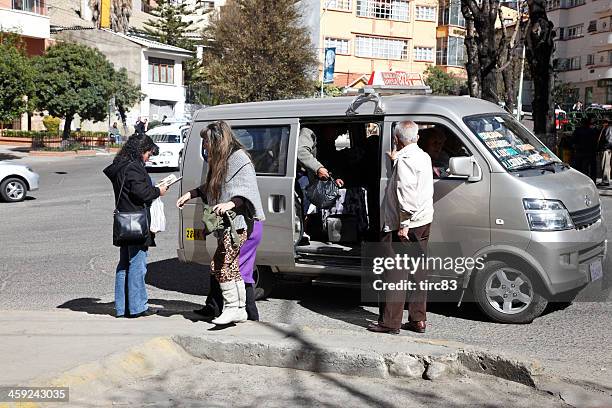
x: 121, y: 11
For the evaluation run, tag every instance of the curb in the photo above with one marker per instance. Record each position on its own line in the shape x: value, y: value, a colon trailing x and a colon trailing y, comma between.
x: 356, y: 362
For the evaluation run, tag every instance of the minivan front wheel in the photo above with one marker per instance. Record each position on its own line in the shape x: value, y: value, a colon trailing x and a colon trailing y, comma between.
x: 508, y: 295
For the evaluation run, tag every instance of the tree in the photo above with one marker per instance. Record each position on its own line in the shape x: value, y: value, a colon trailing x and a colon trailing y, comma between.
x: 75, y: 79
x: 563, y: 92
x: 440, y: 82
x: 539, y: 52
x: 120, y: 13
x: 16, y: 78
x: 259, y: 50
x: 126, y: 94
x: 489, y: 53
x: 172, y: 25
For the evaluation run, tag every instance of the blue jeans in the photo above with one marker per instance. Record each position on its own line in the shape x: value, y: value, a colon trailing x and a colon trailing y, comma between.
x: 130, y: 289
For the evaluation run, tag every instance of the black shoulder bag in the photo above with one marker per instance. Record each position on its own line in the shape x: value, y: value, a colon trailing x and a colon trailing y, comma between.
x: 129, y: 228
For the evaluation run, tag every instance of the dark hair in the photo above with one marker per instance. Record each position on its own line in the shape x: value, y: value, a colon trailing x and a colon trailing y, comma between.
x: 136, y: 146
x: 222, y: 143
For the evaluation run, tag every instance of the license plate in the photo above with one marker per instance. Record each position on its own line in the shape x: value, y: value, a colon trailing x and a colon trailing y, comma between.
x: 596, y: 270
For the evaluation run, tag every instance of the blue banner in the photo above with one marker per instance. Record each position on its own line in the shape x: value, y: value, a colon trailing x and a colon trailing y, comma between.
x: 330, y: 62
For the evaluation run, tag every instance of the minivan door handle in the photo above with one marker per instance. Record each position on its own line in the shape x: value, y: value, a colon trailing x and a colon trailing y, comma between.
x: 276, y: 203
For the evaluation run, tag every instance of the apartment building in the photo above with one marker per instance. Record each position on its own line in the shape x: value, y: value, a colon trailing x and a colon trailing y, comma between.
x: 450, y: 36
x: 375, y: 35
x: 28, y: 18
x: 584, y: 47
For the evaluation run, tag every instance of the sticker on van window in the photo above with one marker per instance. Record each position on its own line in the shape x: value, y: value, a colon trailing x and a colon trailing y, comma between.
x: 498, y: 119
x: 192, y: 234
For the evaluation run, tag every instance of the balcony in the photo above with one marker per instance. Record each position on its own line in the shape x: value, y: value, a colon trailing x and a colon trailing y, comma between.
x: 27, y: 17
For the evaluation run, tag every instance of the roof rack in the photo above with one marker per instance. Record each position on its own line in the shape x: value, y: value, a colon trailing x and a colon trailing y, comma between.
x: 368, y: 95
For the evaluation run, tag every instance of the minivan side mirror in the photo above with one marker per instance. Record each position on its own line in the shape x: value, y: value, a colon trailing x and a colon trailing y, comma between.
x: 465, y: 167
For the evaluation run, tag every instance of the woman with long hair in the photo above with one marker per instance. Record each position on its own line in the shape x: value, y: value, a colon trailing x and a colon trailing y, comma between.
x: 128, y: 170
x: 231, y: 184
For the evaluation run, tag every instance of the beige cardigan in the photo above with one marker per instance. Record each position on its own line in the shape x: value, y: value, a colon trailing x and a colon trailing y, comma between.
x: 408, y: 198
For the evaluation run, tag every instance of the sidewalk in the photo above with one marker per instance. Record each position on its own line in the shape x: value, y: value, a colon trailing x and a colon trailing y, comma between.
x: 75, y: 349
x: 8, y: 152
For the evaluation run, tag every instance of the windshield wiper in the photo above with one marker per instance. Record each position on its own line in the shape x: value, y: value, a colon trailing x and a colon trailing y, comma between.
x: 550, y: 166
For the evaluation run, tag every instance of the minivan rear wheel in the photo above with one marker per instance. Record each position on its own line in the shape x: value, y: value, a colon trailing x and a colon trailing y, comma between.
x: 508, y: 295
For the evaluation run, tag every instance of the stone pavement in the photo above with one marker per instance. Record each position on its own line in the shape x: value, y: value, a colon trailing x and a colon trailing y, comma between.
x: 76, y: 350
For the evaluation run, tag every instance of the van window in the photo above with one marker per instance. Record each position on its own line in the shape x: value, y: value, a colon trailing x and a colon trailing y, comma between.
x: 441, y: 144
x: 511, y: 144
x: 267, y: 146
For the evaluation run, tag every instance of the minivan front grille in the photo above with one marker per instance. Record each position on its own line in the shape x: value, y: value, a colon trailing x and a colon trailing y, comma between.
x: 586, y: 217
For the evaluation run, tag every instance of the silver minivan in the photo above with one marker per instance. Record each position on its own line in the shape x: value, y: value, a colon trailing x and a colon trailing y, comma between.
x: 500, y: 194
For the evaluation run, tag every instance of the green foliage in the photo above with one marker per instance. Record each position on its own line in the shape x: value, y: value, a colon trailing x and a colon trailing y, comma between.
x: 259, y: 50
x: 126, y: 94
x: 171, y: 27
x: 16, y: 78
x: 76, y: 79
x: 440, y: 82
x: 52, y: 124
x: 563, y: 92
x: 328, y: 89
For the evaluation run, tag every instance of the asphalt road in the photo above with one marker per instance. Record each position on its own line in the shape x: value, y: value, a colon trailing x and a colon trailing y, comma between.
x: 56, y: 252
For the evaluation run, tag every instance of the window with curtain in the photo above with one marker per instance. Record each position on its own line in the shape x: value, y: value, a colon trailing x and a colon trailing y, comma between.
x: 161, y: 70
x: 386, y: 9
x: 376, y: 47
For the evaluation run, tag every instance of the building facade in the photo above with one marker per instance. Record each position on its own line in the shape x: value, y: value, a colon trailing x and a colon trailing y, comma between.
x: 583, y: 48
x: 374, y: 35
x: 30, y: 20
x: 450, y: 35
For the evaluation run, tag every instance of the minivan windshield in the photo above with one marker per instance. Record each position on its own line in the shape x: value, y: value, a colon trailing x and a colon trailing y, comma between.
x: 166, y: 138
x: 511, y: 144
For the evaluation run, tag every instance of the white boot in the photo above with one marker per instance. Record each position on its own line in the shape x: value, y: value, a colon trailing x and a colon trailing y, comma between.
x: 234, y: 302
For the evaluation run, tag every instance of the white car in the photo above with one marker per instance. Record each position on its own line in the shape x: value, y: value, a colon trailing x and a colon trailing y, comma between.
x: 15, y: 181
x: 171, y: 141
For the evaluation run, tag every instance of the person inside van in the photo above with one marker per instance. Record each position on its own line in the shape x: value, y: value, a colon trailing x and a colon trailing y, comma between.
x: 432, y: 141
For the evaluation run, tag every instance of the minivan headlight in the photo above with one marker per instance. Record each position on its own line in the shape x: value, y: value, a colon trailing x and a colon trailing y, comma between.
x: 547, y: 215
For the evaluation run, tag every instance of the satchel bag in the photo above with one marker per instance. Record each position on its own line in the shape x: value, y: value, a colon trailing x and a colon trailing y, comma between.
x: 213, y: 222
x: 129, y: 227
x: 323, y: 194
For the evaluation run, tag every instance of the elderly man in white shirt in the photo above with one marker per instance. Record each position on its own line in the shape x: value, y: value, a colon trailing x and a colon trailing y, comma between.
x: 407, y: 216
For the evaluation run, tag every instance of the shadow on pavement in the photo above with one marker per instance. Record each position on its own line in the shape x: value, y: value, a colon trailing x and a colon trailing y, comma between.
x: 171, y: 274
x: 170, y: 308
x: 8, y: 156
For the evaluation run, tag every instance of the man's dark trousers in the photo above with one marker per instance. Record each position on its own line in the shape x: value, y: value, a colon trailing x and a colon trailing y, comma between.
x: 391, y: 309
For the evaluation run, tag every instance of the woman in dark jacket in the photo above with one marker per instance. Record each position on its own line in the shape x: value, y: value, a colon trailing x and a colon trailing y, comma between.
x: 128, y: 169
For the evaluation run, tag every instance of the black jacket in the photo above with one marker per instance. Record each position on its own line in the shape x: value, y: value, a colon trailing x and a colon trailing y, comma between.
x: 584, y: 140
x: 137, y: 190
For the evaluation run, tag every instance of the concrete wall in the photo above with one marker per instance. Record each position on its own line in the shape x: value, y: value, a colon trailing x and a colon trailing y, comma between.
x: 120, y: 52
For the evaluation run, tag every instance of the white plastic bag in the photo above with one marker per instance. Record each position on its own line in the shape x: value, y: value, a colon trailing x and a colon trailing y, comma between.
x: 158, y: 219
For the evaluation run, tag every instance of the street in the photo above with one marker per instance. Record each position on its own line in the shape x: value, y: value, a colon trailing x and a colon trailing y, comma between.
x: 56, y: 252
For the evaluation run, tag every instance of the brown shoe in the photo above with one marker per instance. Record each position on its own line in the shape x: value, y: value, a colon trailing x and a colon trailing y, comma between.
x: 418, y: 327
x: 376, y: 328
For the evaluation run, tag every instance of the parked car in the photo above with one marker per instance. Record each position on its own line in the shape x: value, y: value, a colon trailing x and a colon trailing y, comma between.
x: 171, y: 140
x: 507, y: 198
x: 15, y: 181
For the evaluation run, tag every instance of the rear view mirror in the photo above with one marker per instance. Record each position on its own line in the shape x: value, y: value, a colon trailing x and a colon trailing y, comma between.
x: 465, y: 167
